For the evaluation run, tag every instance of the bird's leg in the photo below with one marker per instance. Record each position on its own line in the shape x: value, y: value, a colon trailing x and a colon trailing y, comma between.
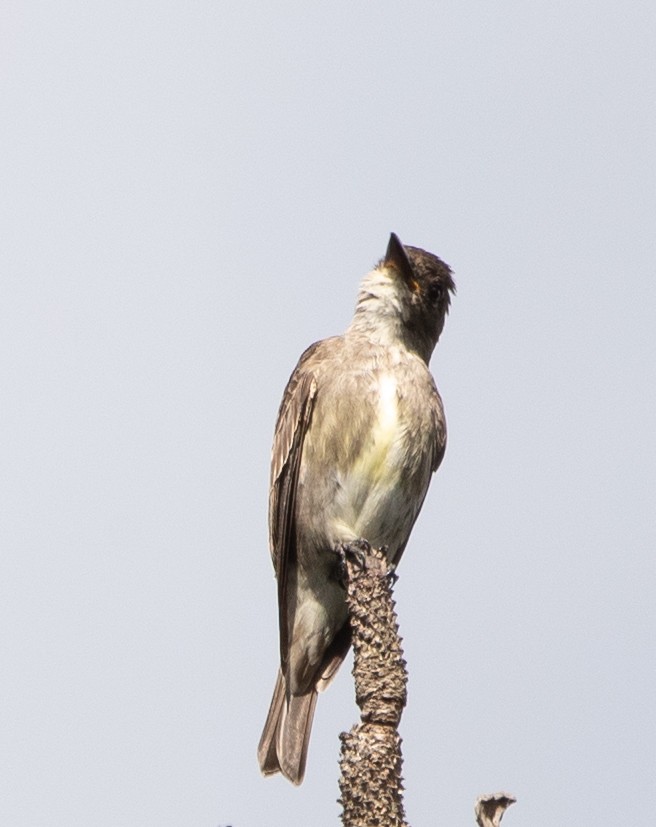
x: 340, y: 569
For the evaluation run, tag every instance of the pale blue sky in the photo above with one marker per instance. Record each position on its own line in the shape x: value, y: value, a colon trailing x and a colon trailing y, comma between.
x: 189, y: 196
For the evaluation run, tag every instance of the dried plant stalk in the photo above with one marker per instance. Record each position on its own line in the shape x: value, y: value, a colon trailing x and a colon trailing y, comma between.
x: 489, y: 809
x: 371, y: 784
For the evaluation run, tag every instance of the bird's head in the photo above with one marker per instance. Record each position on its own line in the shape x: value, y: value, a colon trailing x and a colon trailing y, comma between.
x: 407, y: 295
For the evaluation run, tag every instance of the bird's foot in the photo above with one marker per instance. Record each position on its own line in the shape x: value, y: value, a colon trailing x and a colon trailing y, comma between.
x: 356, y: 551
x: 393, y: 576
x: 390, y: 571
x: 359, y: 549
x: 360, y: 553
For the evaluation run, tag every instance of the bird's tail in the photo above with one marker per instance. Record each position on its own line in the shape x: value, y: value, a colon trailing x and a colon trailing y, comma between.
x: 284, y: 742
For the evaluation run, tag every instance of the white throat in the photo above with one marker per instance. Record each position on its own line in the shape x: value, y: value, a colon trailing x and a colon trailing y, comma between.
x: 380, y: 310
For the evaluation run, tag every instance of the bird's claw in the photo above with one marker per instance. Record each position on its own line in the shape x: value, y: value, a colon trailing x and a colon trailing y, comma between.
x: 356, y: 550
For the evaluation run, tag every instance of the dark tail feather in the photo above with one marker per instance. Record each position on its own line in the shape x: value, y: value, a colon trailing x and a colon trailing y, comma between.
x: 294, y: 735
x: 266, y: 751
x: 284, y: 742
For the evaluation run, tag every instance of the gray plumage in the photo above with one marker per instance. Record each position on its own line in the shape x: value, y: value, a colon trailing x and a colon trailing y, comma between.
x: 359, y: 433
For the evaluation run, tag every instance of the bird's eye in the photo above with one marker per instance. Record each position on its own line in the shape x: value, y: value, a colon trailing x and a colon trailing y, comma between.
x: 434, y: 292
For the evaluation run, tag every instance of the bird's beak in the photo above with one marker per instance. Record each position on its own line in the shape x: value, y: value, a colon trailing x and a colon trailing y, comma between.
x: 397, y: 259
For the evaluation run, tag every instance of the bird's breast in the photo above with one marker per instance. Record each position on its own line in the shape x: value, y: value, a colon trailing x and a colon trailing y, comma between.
x: 377, y: 460
x: 372, y: 494
x: 366, y: 457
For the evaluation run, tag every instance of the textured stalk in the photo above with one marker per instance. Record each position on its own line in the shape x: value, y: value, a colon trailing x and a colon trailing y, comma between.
x: 371, y: 784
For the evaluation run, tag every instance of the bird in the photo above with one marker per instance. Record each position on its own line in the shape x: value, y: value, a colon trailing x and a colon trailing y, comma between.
x: 359, y: 433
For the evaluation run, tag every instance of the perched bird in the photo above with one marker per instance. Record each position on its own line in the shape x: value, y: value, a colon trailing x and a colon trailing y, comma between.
x: 359, y: 433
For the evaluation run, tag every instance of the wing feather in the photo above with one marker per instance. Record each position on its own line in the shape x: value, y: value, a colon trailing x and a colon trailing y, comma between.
x: 439, y: 429
x: 293, y: 421
x: 438, y: 448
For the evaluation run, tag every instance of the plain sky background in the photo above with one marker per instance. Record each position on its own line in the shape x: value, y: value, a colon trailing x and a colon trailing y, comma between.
x: 190, y: 193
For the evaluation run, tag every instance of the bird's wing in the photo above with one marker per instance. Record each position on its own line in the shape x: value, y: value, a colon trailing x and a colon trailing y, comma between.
x: 439, y: 429
x: 435, y: 456
x: 291, y: 426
